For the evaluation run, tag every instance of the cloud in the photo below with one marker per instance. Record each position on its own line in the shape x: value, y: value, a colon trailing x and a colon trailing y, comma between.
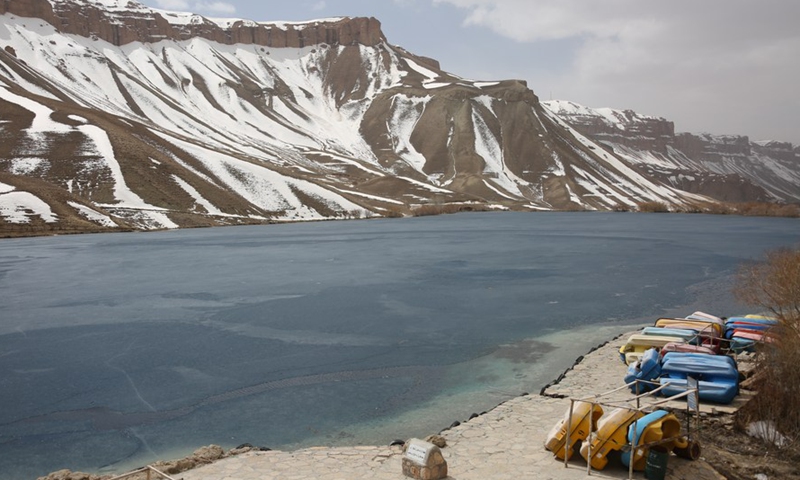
x: 319, y: 6
x: 214, y: 7
x: 728, y: 64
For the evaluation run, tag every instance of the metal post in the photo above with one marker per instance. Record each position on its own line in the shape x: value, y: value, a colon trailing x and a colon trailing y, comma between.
x: 697, y: 413
x: 569, y: 428
x: 634, y: 441
x: 637, y: 396
x: 589, y: 445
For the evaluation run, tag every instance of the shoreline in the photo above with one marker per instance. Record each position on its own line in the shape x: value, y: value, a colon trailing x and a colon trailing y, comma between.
x: 448, y: 408
x: 713, y: 295
x: 31, y: 233
x: 474, y: 445
x: 613, y: 330
x: 499, y: 443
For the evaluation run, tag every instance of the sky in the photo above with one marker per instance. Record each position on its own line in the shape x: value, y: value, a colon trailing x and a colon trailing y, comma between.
x: 715, y: 66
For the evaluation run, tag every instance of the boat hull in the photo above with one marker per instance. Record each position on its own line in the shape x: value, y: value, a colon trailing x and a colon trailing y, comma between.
x: 658, y: 428
x: 611, y: 436
x: 584, y: 418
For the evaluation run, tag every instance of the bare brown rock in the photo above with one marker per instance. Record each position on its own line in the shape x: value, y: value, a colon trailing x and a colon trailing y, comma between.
x: 88, y: 20
x: 70, y: 475
x: 437, y: 440
x: 208, y: 454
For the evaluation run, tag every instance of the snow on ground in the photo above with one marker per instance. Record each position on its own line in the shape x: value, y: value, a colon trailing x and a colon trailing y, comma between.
x: 93, y: 215
x: 301, y: 25
x: 405, y: 113
x: 614, y: 117
x: 197, y: 92
x: 181, y: 18
x: 371, y: 197
x: 350, y: 161
x: 28, y: 165
x: 640, y: 186
x: 424, y: 185
x: 97, y: 144
x: 489, y: 148
x: 435, y: 85
x: 498, y: 191
x: 103, y: 149
x: 597, y: 189
x: 644, y: 157
x: 125, y: 198
x: 429, y: 75
x: 266, y: 188
x: 41, y: 121
x: 557, y: 169
x: 199, y: 199
x: 19, y: 207
x: 69, y: 62
x: 373, y: 61
x: 573, y: 197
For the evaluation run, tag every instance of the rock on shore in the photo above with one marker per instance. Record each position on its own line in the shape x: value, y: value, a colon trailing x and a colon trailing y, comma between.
x: 201, y: 456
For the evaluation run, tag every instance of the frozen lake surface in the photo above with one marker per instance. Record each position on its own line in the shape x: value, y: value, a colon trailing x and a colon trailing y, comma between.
x: 119, y: 349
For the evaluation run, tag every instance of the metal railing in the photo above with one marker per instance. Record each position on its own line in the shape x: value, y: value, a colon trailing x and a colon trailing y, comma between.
x: 149, y: 470
x: 595, y: 400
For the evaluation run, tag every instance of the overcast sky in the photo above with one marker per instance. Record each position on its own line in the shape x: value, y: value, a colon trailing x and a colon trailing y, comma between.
x: 718, y: 66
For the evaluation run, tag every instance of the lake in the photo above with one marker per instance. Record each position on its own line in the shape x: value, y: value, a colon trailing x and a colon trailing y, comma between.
x: 120, y: 349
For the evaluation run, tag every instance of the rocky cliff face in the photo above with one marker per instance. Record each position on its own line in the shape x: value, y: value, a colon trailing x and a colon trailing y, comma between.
x: 129, y: 22
x: 712, y: 148
x: 783, y: 151
x: 622, y: 127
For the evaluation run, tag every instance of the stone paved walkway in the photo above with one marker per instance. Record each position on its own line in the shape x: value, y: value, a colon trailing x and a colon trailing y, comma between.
x: 505, y: 443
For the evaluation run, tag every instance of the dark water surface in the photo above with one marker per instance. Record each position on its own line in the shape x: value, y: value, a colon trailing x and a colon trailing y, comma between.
x: 119, y: 349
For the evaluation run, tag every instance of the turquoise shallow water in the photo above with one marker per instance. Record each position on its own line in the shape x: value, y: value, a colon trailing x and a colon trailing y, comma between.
x: 116, y: 350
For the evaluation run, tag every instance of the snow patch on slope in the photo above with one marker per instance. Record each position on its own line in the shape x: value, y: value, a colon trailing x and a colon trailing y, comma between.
x: 18, y: 207
x: 208, y: 206
x: 267, y: 189
x: 405, y: 113
x: 93, y: 215
x: 490, y: 149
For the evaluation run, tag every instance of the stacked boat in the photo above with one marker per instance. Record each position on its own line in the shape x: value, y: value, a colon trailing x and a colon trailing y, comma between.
x: 670, y: 358
x: 744, y: 333
x: 698, y: 349
x: 614, y: 433
x: 697, y: 333
x: 716, y: 375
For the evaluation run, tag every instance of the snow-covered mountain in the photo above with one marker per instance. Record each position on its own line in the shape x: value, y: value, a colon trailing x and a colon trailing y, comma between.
x: 725, y: 167
x: 115, y: 116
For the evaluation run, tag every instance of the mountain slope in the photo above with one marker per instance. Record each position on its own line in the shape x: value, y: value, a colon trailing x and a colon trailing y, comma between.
x: 726, y: 167
x: 118, y: 116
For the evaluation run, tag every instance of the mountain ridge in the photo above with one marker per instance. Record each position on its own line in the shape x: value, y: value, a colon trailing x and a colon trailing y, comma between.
x: 124, y: 22
x: 761, y: 171
x: 185, y: 132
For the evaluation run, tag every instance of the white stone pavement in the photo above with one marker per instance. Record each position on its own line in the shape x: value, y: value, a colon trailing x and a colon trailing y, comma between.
x: 505, y: 443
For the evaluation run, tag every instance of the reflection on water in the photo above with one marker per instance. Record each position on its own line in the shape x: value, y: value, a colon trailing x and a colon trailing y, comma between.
x: 116, y: 350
